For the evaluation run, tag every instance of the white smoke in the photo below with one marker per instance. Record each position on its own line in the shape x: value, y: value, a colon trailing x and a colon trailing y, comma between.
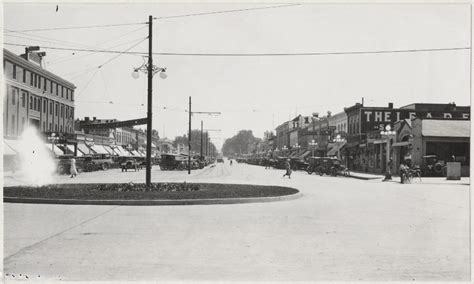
x: 37, y: 165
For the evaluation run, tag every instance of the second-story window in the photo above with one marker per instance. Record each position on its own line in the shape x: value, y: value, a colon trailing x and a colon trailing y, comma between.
x: 9, y: 70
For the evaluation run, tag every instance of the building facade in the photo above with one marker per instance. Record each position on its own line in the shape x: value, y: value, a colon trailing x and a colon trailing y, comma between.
x: 35, y: 97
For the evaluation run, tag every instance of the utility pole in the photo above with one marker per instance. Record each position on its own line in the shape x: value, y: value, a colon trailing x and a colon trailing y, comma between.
x: 189, y: 138
x: 201, y: 139
x: 150, y: 95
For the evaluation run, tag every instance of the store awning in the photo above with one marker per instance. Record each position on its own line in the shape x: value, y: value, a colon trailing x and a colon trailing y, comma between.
x: 446, y: 128
x: 55, y: 149
x: 306, y: 153
x: 99, y: 149
x: 83, y: 148
x: 401, y: 144
x: 379, y: 141
x: 11, y: 147
x: 336, y: 148
x: 7, y: 150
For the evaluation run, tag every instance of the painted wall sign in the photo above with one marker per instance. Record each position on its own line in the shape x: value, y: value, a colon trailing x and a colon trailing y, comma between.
x: 376, y: 119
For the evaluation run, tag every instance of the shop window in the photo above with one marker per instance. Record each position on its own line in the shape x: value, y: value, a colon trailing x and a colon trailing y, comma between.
x: 9, y: 70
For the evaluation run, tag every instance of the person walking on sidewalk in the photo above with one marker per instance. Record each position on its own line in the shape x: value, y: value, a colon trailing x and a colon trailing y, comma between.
x: 73, y: 168
x: 288, y: 169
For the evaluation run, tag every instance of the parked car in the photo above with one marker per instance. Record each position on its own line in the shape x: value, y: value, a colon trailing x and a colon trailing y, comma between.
x: 130, y: 164
x: 298, y: 164
x: 173, y: 162
x: 96, y: 162
x: 326, y: 165
x: 220, y: 160
x: 432, y: 166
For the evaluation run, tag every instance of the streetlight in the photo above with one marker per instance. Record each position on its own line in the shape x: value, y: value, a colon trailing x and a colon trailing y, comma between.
x: 388, y: 133
x: 313, y: 145
x: 150, y: 70
x: 339, y: 140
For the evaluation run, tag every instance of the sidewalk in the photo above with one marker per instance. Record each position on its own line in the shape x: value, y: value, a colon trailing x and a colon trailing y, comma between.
x: 424, y: 180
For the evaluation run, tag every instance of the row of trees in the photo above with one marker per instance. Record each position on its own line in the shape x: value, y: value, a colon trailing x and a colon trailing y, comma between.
x: 195, y: 142
x: 241, y: 143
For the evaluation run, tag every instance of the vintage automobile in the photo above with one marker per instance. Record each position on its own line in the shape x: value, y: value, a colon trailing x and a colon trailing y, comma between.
x: 298, y: 164
x: 432, y: 166
x: 220, y: 160
x: 326, y: 165
x: 130, y: 164
x: 173, y: 162
x: 95, y: 162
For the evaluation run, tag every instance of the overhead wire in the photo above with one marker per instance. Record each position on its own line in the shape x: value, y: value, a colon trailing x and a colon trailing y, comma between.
x: 260, y: 54
x: 78, y: 27
x: 224, y: 11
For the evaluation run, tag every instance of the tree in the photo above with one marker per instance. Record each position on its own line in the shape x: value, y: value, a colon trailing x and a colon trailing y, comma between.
x: 241, y: 143
x: 195, y: 142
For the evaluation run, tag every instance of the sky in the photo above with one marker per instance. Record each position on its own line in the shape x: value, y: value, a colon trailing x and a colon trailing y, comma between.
x: 251, y: 92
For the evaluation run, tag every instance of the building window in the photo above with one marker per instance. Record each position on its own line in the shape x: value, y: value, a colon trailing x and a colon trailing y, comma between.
x: 13, y: 93
x: 34, y: 103
x: 62, y: 92
x: 56, y: 110
x: 44, y: 126
x: 32, y: 79
x: 62, y: 111
x: 50, y: 127
x: 23, y: 99
x: 56, y: 127
x: 67, y: 94
x: 57, y: 90
x: 50, y: 87
x: 39, y: 81
x: 45, y: 84
x: 19, y: 73
x: 61, y: 128
x: 9, y: 70
x: 45, y: 105
x: 27, y: 80
x: 50, y: 109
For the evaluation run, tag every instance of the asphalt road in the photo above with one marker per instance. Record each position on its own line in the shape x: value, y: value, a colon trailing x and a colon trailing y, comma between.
x: 340, y: 229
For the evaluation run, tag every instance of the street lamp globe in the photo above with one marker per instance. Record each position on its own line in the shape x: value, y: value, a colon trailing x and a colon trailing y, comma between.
x: 163, y: 75
x: 135, y: 74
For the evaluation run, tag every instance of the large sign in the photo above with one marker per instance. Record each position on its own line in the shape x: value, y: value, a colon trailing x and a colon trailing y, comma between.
x: 376, y: 119
x: 116, y: 124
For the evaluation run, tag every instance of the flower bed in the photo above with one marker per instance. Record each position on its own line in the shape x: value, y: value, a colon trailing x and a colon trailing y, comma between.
x: 138, y: 191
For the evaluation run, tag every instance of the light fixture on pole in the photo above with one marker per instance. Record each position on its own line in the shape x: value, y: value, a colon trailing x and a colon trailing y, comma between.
x: 313, y: 145
x: 339, y: 140
x: 150, y: 70
x: 388, y: 134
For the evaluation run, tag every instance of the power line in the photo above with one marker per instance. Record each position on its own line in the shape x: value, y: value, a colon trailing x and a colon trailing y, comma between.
x: 225, y: 11
x: 256, y: 54
x: 100, y: 66
x: 78, y: 27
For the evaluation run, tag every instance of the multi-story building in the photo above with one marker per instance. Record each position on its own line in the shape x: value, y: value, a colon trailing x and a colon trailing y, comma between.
x: 367, y: 151
x: 35, y: 97
x: 282, y: 135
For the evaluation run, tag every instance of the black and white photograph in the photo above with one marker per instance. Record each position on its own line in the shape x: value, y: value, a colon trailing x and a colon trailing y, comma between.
x: 236, y: 141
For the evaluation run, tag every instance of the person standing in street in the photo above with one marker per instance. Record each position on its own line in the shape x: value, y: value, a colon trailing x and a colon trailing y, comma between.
x: 73, y: 168
x: 288, y: 169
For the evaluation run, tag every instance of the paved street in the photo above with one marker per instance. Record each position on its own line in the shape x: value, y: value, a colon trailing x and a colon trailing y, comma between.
x: 340, y: 229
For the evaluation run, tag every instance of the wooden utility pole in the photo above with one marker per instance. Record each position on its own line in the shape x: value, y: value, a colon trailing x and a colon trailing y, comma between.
x: 189, y: 138
x: 149, y: 102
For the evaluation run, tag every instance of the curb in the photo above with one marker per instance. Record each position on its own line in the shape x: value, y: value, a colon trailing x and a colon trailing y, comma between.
x: 363, y: 178
x: 157, y: 202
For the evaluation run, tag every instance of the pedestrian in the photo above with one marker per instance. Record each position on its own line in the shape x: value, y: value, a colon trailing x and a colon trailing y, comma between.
x: 288, y: 168
x: 231, y: 162
x: 73, y: 168
x: 403, y: 172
